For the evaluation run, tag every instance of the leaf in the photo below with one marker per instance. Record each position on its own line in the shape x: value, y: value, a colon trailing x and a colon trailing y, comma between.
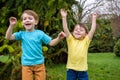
x: 10, y: 48
x: 4, y: 58
x: 45, y: 48
x: 50, y: 2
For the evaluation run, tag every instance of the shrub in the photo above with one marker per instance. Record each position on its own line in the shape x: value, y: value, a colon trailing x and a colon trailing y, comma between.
x: 117, y: 48
x: 102, y: 40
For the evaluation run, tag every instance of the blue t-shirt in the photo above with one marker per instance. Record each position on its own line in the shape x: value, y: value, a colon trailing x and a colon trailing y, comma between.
x: 32, y: 46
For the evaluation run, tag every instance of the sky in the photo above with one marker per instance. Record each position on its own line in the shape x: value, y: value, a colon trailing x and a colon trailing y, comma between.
x: 90, y: 1
x: 87, y: 1
x: 103, y: 9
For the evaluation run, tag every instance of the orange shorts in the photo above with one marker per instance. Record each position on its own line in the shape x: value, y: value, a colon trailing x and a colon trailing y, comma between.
x: 36, y: 72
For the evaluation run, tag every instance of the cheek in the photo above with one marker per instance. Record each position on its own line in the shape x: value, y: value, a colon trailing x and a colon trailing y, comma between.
x: 84, y: 34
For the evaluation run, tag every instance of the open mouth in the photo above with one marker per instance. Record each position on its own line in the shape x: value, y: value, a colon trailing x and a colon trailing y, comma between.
x: 77, y: 33
x: 27, y: 24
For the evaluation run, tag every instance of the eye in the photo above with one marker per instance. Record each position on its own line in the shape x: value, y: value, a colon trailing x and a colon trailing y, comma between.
x: 30, y: 18
x: 24, y: 18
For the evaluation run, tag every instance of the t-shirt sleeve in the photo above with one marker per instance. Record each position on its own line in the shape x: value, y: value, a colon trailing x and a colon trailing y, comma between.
x: 69, y: 38
x: 46, y: 39
x: 18, y: 35
x: 88, y: 40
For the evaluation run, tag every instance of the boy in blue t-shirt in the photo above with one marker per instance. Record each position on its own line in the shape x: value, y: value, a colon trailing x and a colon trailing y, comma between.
x: 32, y: 40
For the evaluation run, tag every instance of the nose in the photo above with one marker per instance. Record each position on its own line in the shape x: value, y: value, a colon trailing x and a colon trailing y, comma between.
x: 78, y: 30
x: 27, y: 20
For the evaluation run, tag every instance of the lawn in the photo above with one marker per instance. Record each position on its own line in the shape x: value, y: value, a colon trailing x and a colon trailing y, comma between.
x: 102, y: 66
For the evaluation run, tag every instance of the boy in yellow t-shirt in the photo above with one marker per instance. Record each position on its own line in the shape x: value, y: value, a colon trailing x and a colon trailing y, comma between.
x: 78, y: 43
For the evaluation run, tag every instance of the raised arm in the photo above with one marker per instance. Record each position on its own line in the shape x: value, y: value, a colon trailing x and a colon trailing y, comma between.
x: 55, y: 41
x: 93, y: 26
x: 64, y: 22
x: 9, y: 31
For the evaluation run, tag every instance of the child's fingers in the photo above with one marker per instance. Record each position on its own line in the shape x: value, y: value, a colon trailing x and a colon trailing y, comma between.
x: 63, y: 34
x: 63, y: 10
x: 13, y: 19
x: 95, y: 14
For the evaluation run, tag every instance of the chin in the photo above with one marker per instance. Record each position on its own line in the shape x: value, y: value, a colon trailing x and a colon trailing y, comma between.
x: 77, y: 37
x: 28, y: 28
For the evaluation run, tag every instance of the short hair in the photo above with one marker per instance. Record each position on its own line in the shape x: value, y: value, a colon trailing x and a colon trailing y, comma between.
x: 32, y: 13
x: 83, y: 26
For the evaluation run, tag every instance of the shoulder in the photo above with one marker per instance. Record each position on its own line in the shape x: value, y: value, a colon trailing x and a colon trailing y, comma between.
x: 87, y: 38
x: 20, y: 32
x: 70, y: 37
x: 39, y: 31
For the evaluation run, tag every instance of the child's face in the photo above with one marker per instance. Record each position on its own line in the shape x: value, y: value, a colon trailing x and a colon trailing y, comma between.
x: 79, y: 32
x: 28, y: 21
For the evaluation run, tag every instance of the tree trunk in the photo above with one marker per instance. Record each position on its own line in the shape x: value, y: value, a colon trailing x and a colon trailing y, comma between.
x: 115, y: 22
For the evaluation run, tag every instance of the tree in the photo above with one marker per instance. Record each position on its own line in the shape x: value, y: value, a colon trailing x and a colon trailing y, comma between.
x: 111, y: 10
x: 84, y: 8
x: 114, y: 8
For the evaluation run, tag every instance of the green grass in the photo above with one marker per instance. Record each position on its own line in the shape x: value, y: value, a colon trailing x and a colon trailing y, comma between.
x: 56, y: 72
x: 102, y: 66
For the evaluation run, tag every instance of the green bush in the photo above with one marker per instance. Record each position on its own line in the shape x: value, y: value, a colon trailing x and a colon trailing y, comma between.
x: 102, y: 40
x: 117, y: 48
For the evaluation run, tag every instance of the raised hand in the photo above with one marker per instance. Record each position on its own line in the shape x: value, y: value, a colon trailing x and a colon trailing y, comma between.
x: 61, y: 35
x: 63, y: 13
x: 12, y: 21
x: 94, y: 15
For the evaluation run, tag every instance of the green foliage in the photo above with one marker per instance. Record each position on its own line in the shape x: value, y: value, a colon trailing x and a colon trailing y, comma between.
x: 117, y: 48
x: 9, y: 48
x: 10, y: 65
x: 103, y: 39
x: 4, y: 59
x: 10, y: 62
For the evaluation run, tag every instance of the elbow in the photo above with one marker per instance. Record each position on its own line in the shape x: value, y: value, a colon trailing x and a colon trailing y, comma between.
x: 54, y: 42
x: 51, y: 44
x: 7, y: 37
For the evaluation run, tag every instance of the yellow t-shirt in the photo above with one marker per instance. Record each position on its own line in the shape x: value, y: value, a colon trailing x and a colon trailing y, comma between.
x: 77, y: 53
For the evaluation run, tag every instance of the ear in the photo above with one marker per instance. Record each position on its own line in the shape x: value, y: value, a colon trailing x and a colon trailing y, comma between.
x: 36, y: 22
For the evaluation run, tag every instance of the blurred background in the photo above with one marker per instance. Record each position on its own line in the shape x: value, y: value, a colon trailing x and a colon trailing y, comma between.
x: 105, y: 40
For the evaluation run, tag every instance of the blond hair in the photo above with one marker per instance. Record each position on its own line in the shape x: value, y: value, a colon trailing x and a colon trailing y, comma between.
x: 32, y: 13
x: 83, y: 26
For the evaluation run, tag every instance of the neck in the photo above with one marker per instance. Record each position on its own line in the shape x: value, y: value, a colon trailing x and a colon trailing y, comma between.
x: 30, y: 30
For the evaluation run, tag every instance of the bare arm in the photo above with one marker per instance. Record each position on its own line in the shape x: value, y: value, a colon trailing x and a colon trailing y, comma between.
x: 64, y: 22
x: 9, y: 31
x: 58, y: 39
x: 93, y: 26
